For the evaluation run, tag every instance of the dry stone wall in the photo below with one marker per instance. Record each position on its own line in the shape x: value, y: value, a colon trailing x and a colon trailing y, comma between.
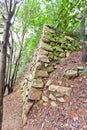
x: 44, y: 61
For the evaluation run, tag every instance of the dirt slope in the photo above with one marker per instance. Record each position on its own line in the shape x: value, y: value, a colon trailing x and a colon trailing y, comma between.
x: 12, y: 119
x: 70, y: 115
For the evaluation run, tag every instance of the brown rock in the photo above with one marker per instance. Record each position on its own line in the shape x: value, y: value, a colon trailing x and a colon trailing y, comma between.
x: 35, y: 94
x: 38, y: 83
x: 60, y: 89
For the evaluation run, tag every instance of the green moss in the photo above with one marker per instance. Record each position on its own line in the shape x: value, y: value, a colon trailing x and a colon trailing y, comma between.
x: 50, y: 69
x: 57, y: 48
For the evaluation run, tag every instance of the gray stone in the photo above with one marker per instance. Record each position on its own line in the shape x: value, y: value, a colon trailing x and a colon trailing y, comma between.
x: 41, y: 73
x: 43, y: 58
x: 44, y: 98
x: 35, y: 94
x: 53, y: 104
x: 61, y: 99
x: 71, y: 74
x: 51, y: 96
x: 46, y: 64
x: 37, y: 83
x: 48, y: 82
x: 60, y: 89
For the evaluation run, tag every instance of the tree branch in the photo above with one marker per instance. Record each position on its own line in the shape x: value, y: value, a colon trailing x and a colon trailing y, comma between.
x: 6, y: 5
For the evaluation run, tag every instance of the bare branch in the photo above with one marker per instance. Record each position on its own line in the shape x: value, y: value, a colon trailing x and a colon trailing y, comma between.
x: 16, y: 12
x: 10, y: 5
x: 6, y: 5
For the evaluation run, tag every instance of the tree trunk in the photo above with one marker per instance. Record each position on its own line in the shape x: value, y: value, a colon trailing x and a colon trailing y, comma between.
x: 82, y: 35
x: 3, y: 65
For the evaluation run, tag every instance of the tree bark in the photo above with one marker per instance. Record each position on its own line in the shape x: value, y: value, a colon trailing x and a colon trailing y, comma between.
x: 3, y: 66
x: 82, y: 35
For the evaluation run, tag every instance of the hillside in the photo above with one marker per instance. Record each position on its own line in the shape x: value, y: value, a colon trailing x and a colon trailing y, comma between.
x: 53, y: 99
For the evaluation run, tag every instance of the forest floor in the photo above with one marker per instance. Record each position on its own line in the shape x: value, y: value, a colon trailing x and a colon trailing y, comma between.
x: 69, y: 115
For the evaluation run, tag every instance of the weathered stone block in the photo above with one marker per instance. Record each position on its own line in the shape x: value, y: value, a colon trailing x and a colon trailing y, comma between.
x: 60, y: 89
x: 39, y: 66
x: 35, y: 94
x: 71, y: 74
x: 40, y: 73
x: 43, y: 58
x: 42, y: 52
x: 46, y: 46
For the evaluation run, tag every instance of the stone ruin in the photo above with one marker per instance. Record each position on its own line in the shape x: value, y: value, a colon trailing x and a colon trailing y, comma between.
x: 44, y: 61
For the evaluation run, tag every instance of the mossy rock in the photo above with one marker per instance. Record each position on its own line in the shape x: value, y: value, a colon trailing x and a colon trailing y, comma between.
x: 70, y: 74
x: 55, y: 58
x: 62, y: 39
x: 62, y: 55
x: 50, y: 69
x: 55, y: 53
x: 57, y: 48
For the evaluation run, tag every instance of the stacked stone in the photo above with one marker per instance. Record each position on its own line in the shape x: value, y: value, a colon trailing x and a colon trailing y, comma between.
x: 44, y: 63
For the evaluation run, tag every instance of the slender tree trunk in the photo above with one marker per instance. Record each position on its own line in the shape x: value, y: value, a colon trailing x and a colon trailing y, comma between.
x: 3, y: 65
x: 82, y: 34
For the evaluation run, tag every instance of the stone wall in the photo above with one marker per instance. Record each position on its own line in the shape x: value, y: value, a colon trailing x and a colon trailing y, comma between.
x: 44, y: 61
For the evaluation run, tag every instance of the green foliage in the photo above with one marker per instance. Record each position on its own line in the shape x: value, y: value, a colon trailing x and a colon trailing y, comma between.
x: 64, y: 15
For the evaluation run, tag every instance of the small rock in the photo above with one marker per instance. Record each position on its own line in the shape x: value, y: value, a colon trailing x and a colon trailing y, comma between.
x: 58, y: 95
x: 50, y: 69
x: 35, y: 94
x: 55, y: 66
x: 61, y: 99
x: 60, y: 89
x: 51, y: 96
x: 53, y: 104
x: 60, y: 82
x: 48, y: 82
x: 44, y: 98
x: 46, y: 64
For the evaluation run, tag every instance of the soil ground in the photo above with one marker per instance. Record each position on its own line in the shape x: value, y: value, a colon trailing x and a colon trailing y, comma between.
x: 70, y: 115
